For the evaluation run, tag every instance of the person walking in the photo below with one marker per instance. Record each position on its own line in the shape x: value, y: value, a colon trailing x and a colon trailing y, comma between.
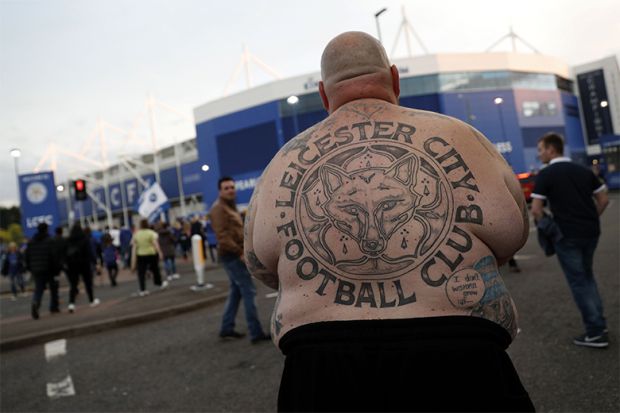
x: 185, y: 239
x: 146, y: 254
x: 383, y: 229
x: 13, y: 267
x: 80, y: 259
x: 110, y: 257
x: 211, y: 240
x: 60, y: 252
x: 167, y: 243
x: 42, y: 263
x: 576, y: 198
x: 125, y: 241
x: 228, y: 228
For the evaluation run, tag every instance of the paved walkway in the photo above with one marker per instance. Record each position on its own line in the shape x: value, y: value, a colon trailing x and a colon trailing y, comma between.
x: 120, y: 306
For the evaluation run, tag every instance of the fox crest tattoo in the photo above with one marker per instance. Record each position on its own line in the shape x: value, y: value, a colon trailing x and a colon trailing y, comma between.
x: 371, y: 204
x: 374, y: 211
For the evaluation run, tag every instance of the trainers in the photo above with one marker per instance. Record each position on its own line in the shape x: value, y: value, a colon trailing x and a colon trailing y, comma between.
x: 169, y: 278
x: 596, y: 341
x: 143, y: 293
x: 232, y: 334
x: 71, y: 308
x: 164, y: 285
x: 262, y: 337
x: 34, y: 311
x: 95, y: 302
x: 176, y: 276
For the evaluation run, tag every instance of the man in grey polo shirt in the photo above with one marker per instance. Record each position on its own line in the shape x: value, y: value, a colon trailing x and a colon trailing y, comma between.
x: 577, y: 198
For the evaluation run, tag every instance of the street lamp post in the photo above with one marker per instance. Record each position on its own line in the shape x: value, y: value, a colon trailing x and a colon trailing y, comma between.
x: 293, y: 100
x: 499, y: 103
x: 377, y: 14
x: 16, y: 153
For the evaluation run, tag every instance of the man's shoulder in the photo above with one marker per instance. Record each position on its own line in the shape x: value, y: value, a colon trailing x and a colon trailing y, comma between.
x: 216, y: 207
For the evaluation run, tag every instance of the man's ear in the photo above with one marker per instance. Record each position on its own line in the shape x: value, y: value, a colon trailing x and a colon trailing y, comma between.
x: 323, y: 96
x: 395, y: 81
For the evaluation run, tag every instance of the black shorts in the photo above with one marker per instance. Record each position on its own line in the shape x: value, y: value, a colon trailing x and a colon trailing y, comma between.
x: 424, y: 364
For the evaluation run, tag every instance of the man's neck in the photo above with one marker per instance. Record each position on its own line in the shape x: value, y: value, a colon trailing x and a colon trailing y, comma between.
x: 558, y: 158
x: 359, y: 88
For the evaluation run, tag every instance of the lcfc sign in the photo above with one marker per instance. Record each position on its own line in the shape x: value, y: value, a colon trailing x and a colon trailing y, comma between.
x: 38, y: 201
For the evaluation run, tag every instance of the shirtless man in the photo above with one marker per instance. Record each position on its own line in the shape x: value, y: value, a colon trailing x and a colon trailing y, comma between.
x: 382, y: 228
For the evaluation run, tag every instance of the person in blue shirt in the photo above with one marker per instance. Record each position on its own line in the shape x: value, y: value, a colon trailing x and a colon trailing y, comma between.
x: 109, y: 258
x: 126, y: 246
x: 13, y: 266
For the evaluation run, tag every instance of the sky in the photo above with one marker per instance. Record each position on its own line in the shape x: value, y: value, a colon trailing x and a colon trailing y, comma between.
x: 65, y: 64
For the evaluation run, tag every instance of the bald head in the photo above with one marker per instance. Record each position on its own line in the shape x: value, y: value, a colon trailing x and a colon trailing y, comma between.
x: 350, y: 55
x: 355, y: 66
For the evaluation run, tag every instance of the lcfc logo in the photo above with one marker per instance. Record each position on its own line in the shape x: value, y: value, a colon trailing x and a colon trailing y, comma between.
x: 36, y: 193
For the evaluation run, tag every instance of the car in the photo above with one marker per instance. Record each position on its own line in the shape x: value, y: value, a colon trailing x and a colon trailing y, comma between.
x: 526, y: 179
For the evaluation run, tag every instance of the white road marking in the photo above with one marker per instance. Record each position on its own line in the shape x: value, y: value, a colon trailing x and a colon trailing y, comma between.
x: 55, y: 352
x: 63, y: 388
x: 55, y: 348
x: 271, y: 295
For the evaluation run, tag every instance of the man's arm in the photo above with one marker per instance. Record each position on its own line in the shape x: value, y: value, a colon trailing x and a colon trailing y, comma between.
x: 537, y: 208
x: 601, y: 200
x: 252, y: 260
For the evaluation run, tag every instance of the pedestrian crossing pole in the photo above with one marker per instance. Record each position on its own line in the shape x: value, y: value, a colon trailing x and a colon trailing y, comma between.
x: 199, y: 264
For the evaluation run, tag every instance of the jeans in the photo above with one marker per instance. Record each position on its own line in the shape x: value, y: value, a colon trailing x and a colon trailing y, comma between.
x: 170, y: 266
x: 241, y: 287
x: 576, y: 256
x: 17, y: 280
x: 126, y: 255
x: 41, y: 280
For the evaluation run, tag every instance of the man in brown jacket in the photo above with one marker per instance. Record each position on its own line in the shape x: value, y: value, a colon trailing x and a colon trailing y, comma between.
x: 228, y: 227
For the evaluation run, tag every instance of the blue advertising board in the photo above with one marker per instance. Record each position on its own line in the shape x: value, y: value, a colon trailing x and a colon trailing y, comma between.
x: 38, y: 201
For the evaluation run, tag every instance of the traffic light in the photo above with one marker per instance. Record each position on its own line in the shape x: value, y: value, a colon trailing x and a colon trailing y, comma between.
x: 79, y: 187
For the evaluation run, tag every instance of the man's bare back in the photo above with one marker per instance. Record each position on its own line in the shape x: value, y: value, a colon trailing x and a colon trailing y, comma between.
x: 383, y: 212
x: 382, y: 227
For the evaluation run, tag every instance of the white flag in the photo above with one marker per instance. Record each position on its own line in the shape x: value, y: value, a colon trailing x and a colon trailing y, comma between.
x: 151, y: 199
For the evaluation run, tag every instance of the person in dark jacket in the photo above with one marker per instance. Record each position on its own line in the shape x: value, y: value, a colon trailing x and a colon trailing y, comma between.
x: 167, y: 243
x: 60, y: 247
x: 41, y: 262
x: 80, y: 259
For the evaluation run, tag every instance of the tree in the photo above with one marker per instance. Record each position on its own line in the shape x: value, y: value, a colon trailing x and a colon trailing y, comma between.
x: 13, y: 234
x: 9, y: 216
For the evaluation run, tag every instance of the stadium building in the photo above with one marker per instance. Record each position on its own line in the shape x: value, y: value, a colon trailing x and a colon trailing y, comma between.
x: 512, y: 98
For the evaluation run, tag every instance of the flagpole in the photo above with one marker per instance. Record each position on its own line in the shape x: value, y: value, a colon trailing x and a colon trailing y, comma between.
x: 150, y: 108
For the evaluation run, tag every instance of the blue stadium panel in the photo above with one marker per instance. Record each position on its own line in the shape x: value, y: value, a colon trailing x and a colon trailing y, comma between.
x: 256, y: 135
x: 192, y: 175
x: 169, y: 182
x: 498, y: 122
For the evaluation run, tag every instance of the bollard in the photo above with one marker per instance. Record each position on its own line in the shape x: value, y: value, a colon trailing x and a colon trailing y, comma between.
x: 199, y: 264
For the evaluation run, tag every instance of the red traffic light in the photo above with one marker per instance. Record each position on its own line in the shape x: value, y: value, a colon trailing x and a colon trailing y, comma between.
x: 79, y: 187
